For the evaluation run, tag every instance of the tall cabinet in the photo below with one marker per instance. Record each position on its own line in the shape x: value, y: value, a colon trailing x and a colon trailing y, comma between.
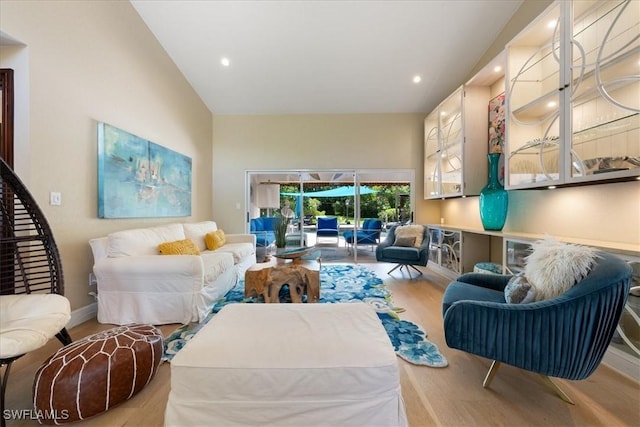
x: 455, y: 147
x: 573, y: 95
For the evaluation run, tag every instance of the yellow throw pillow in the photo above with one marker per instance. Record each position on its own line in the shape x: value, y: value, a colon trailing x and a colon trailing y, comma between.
x: 179, y: 247
x: 215, y: 239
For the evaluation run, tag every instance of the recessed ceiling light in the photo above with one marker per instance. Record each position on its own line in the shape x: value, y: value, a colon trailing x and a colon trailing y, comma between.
x: 497, y: 68
x: 551, y: 104
x: 551, y: 24
x: 225, y: 62
x: 417, y: 79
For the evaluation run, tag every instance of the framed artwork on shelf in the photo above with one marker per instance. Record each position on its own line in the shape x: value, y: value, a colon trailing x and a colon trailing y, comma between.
x: 497, y: 131
x: 140, y: 179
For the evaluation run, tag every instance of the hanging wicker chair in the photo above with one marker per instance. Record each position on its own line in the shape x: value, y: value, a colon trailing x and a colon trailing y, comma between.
x: 29, y: 264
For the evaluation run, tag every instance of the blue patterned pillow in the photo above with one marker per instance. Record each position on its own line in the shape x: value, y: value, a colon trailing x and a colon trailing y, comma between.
x: 519, y: 290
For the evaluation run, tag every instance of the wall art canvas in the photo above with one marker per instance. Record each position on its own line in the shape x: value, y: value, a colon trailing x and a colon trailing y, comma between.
x: 140, y: 179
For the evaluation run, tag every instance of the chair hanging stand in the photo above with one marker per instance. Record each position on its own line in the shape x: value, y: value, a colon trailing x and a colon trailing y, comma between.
x: 30, y: 276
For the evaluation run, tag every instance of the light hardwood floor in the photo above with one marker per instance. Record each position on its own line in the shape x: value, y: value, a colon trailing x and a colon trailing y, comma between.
x: 451, y: 396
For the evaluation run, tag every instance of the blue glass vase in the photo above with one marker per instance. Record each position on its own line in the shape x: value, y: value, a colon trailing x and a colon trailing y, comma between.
x: 494, y: 199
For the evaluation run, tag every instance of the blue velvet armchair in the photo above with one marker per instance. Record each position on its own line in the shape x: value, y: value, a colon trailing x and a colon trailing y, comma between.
x: 564, y: 337
x: 369, y: 234
x: 407, y: 257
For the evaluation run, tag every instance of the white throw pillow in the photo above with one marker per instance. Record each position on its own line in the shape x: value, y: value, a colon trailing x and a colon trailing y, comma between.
x: 142, y: 241
x: 554, y: 267
x: 411, y: 231
x: 197, y: 231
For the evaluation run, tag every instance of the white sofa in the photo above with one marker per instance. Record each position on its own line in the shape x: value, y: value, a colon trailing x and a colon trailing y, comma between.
x: 138, y: 285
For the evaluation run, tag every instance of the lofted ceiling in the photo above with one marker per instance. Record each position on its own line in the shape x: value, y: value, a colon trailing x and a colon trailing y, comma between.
x: 334, y: 57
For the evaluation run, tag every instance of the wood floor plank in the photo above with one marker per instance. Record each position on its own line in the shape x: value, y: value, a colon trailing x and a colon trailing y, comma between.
x: 451, y: 396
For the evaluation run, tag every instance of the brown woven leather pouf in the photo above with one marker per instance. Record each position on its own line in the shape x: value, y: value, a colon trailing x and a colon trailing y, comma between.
x: 90, y: 376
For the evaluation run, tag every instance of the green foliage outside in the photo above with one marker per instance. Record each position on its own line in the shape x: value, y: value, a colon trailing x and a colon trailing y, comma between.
x: 389, y: 203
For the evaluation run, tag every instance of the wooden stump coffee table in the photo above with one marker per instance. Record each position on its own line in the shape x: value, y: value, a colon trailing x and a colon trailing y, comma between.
x: 302, y: 277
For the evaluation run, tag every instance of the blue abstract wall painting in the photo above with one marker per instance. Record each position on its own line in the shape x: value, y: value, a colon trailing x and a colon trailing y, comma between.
x: 140, y: 179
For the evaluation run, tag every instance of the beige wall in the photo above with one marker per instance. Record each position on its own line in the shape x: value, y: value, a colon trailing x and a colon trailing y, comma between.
x: 92, y: 61
x: 609, y: 212
x: 357, y: 141
x: 84, y: 62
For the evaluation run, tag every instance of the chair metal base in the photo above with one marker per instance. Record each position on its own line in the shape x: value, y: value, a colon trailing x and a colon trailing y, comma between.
x: 493, y: 369
x: 406, y: 266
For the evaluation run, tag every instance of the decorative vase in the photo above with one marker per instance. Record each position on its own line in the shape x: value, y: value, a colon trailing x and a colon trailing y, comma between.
x: 494, y: 199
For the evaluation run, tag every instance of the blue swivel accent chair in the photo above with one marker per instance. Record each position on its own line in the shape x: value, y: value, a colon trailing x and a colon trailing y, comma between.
x: 369, y: 234
x: 407, y: 257
x: 327, y: 227
x: 564, y: 337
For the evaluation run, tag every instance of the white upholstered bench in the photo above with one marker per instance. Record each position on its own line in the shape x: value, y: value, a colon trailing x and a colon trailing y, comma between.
x: 288, y: 364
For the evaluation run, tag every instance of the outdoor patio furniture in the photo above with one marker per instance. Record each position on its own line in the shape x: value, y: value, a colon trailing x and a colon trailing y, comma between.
x: 369, y: 234
x: 327, y: 228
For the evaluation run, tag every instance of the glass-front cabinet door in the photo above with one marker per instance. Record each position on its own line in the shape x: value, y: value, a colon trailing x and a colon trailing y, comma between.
x: 431, y: 156
x: 443, y: 138
x: 605, y: 89
x: 455, y: 144
x: 573, y: 95
x: 534, y: 95
x: 450, y: 124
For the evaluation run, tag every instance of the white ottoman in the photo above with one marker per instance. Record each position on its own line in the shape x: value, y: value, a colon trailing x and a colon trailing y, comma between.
x: 287, y: 364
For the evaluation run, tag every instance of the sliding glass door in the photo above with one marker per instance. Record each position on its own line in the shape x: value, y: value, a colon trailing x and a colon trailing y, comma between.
x: 301, y: 197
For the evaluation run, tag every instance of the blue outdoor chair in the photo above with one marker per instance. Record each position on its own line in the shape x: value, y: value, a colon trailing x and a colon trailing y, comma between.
x: 407, y: 257
x: 369, y: 234
x: 564, y: 337
x: 264, y: 229
x: 327, y: 227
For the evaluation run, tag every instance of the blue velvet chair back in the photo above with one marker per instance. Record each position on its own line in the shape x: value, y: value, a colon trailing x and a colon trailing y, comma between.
x: 327, y: 226
x: 264, y: 229
x: 563, y: 337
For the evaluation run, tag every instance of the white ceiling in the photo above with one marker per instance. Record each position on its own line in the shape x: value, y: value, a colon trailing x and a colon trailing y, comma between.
x: 291, y: 57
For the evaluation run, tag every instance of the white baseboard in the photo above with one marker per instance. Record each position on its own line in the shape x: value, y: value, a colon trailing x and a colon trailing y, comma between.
x: 83, y: 314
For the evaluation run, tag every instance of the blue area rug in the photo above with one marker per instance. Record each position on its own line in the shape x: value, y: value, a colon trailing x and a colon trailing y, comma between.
x: 341, y: 284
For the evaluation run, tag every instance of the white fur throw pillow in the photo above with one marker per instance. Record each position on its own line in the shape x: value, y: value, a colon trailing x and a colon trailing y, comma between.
x: 411, y: 231
x: 554, y: 267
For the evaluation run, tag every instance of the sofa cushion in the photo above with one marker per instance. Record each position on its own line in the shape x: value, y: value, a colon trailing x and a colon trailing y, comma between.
x: 405, y: 241
x: 214, y: 264
x: 197, y: 231
x: 215, y: 240
x: 416, y: 231
x: 238, y: 250
x: 142, y: 241
x: 401, y: 253
x: 179, y: 247
x: 519, y: 290
x: 554, y: 267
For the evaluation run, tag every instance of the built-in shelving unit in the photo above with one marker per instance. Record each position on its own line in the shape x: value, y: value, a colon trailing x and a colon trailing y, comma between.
x: 454, y: 137
x: 573, y: 95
